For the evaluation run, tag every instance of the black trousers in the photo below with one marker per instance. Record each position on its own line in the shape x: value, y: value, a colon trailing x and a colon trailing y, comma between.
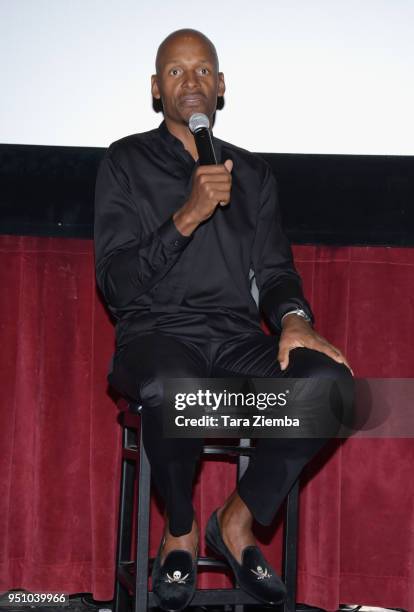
x: 138, y: 372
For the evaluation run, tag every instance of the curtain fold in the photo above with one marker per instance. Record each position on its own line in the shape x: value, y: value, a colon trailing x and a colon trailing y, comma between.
x: 60, y: 440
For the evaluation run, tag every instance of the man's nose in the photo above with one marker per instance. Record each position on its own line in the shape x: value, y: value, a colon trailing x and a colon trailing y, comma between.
x: 191, y: 79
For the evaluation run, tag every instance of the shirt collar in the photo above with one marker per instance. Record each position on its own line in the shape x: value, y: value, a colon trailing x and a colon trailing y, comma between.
x: 178, y: 145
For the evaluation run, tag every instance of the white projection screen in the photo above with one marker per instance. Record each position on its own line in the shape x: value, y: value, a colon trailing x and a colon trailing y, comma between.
x: 309, y: 76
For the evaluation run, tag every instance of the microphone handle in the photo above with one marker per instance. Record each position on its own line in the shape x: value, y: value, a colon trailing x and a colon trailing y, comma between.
x: 205, y: 149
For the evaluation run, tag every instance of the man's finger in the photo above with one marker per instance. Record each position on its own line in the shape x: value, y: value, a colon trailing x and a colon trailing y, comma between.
x: 229, y: 165
x: 283, y: 358
x: 346, y: 363
x: 217, y: 187
x: 221, y: 195
x: 218, y: 177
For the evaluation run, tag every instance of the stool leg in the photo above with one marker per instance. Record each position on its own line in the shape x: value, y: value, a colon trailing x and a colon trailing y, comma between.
x: 141, y: 579
x: 128, y: 468
x: 242, y: 463
x: 290, y: 547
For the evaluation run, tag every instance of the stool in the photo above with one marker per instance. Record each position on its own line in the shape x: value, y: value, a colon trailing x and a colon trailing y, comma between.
x: 132, y: 576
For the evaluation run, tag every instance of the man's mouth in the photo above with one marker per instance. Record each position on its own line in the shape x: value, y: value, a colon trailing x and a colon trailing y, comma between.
x: 192, y: 100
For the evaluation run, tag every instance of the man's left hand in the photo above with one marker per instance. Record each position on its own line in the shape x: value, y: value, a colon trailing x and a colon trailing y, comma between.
x: 296, y: 333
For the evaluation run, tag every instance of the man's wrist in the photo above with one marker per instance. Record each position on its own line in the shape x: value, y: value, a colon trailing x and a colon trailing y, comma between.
x: 184, y: 222
x: 295, y: 315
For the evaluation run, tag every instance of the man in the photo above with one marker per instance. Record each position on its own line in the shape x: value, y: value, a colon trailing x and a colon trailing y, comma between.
x: 175, y: 242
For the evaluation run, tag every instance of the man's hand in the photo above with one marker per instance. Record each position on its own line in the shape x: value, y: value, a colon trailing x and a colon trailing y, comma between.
x: 211, y: 187
x: 296, y: 332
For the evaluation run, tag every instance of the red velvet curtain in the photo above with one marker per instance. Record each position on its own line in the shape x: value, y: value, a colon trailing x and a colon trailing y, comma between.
x: 60, y: 442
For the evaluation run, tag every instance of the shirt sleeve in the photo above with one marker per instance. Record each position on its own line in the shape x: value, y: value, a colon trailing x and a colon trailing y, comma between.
x: 129, y: 262
x: 279, y: 284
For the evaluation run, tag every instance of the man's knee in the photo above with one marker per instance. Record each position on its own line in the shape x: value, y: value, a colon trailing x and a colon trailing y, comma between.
x: 319, y: 366
x: 308, y: 363
x: 327, y: 375
x: 151, y: 392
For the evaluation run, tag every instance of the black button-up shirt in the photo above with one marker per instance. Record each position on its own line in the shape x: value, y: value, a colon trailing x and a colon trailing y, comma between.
x: 154, y: 277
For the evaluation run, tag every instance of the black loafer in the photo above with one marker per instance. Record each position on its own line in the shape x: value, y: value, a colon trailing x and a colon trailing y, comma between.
x: 174, y: 582
x: 254, y: 575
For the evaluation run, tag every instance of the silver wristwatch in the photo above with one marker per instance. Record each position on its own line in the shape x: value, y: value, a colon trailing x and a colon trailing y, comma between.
x: 299, y: 312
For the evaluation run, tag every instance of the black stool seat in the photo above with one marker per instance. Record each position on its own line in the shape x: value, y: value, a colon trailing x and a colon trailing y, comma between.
x: 131, y: 582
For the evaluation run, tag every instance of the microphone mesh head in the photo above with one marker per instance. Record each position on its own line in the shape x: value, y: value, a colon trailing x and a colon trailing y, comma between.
x: 198, y: 121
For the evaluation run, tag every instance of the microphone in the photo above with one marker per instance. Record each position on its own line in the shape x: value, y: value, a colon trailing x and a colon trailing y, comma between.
x: 199, y: 125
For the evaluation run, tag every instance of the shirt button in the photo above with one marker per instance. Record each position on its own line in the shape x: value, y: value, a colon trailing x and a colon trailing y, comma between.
x: 176, y: 243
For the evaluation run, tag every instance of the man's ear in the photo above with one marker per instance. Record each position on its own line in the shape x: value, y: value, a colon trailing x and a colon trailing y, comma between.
x: 154, y: 87
x: 221, y: 85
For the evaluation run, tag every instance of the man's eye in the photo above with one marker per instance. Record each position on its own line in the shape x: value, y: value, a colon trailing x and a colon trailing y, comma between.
x: 174, y: 71
x: 204, y: 70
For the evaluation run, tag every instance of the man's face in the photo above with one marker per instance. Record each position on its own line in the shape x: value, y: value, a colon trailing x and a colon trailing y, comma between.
x: 187, y: 80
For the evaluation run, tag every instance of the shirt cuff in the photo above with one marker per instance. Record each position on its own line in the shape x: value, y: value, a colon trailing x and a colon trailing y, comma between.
x: 172, y: 239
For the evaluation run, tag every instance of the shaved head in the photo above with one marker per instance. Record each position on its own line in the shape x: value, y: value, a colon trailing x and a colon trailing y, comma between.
x: 187, y: 79
x: 185, y: 33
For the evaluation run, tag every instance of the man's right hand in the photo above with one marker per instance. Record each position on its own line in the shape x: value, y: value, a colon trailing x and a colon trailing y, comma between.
x: 211, y: 188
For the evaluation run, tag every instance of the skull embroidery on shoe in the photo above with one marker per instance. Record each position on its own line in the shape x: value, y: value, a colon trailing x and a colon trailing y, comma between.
x: 176, y: 578
x: 261, y: 573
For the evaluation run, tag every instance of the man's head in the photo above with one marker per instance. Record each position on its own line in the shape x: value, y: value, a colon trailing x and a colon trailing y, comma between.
x: 187, y: 78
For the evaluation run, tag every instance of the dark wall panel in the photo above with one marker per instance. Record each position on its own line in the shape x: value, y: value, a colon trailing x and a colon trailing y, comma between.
x: 325, y: 199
